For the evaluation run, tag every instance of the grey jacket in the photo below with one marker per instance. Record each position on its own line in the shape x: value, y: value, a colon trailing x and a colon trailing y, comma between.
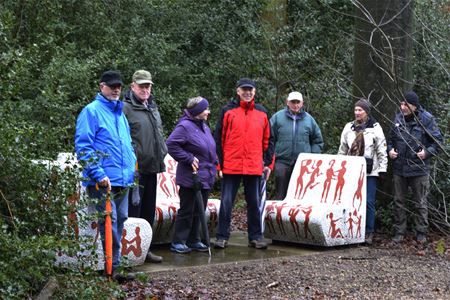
x: 146, y: 133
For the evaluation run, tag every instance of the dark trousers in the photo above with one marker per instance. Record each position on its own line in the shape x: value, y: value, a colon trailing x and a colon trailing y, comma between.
x: 420, y: 187
x: 146, y: 207
x: 230, y: 185
x: 283, y: 174
x: 187, y: 222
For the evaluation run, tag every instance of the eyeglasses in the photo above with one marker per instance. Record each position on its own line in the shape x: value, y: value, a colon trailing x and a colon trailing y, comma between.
x: 113, y: 86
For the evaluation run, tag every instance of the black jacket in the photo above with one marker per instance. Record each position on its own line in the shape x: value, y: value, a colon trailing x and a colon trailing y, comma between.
x: 146, y: 133
x: 409, y: 136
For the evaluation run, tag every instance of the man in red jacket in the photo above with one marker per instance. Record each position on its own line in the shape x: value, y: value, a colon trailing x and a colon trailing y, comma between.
x: 244, y: 149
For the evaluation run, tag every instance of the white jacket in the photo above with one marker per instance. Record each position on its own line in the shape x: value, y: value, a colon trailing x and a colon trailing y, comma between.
x: 374, y: 145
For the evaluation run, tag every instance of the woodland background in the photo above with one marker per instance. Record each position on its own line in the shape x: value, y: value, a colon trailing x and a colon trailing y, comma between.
x: 333, y: 51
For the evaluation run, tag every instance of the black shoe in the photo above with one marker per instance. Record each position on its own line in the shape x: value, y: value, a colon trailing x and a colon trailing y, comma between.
x: 421, y: 238
x: 369, y: 239
x: 153, y: 258
x: 397, y: 239
x: 121, y: 277
x: 258, y: 244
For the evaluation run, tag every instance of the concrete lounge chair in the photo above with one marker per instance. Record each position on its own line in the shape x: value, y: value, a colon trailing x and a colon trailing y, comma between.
x: 325, y: 203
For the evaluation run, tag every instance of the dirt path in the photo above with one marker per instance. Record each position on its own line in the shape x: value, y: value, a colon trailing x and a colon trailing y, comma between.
x: 351, y: 273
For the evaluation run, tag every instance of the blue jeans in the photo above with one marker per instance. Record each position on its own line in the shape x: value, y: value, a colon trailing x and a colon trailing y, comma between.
x: 371, y: 190
x: 119, y: 205
x: 229, y: 188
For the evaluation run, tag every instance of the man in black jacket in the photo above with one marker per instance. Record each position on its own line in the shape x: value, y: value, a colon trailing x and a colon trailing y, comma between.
x: 149, y: 144
x: 414, y: 139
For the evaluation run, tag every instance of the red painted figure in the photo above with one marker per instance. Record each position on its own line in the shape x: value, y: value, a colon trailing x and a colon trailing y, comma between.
x: 303, y: 170
x: 127, y: 246
x: 172, y: 172
x: 94, y: 226
x: 212, y: 215
x: 279, y: 219
x: 314, y: 174
x: 358, y: 192
x: 327, y: 182
x: 350, y: 222
x: 172, y: 211
x: 270, y: 210
x: 340, y: 182
x: 358, y: 223
x: 307, y: 211
x: 293, y: 212
x: 334, y: 232
x: 159, y: 219
x: 163, y: 185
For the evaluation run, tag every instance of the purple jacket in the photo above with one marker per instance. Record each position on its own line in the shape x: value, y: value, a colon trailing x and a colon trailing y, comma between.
x: 192, y: 137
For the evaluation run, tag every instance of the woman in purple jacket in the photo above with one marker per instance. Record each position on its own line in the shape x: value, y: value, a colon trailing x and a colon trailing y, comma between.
x: 192, y: 145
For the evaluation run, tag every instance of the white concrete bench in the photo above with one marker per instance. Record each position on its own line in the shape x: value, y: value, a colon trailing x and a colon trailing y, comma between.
x: 325, y: 203
x: 137, y: 235
x: 168, y: 202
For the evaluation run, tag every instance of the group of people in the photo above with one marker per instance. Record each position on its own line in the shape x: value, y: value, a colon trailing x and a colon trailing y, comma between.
x: 122, y: 142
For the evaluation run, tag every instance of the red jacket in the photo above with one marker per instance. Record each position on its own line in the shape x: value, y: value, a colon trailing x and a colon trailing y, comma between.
x: 243, y: 138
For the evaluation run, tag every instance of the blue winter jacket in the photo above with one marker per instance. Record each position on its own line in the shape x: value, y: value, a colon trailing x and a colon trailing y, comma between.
x: 103, y: 143
x: 192, y: 137
x: 294, y: 134
x: 408, y: 136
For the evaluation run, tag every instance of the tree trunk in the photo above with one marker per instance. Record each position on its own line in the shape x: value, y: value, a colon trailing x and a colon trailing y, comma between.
x: 382, y: 67
x: 383, y: 51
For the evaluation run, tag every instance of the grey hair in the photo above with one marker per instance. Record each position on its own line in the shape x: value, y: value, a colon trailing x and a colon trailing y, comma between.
x: 192, y: 102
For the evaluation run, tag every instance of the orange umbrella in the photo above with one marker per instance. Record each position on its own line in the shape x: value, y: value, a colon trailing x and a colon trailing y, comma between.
x: 108, y: 233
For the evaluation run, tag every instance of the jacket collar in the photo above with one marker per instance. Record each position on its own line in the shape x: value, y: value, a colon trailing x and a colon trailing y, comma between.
x: 247, y: 105
x: 298, y: 116
x: 131, y: 98
x: 114, y: 106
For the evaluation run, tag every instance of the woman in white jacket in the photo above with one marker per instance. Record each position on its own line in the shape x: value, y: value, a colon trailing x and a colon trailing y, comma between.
x: 364, y: 137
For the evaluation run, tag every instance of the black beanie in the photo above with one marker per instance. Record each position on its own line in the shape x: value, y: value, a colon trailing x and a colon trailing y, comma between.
x: 412, y: 98
x: 364, y: 104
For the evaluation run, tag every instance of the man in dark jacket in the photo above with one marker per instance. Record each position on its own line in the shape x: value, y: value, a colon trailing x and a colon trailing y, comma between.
x: 242, y: 137
x: 414, y: 139
x: 148, y: 141
x: 294, y: 131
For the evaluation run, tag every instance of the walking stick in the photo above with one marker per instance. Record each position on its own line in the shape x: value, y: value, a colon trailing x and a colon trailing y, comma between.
x: 108, y: 232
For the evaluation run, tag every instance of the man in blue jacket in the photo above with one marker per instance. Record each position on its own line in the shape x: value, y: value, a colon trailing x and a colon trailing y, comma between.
x: 294, y: 131
x: 414, y: 139
x: 103, y: 147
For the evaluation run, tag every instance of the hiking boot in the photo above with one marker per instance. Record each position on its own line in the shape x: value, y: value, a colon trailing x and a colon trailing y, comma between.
x: 421, y: 238
x: 221, y: 244
x: 153, y: 258
x: 369, y: 239
x: 258, y: 244
x: 199, y: 246
x: 398, y: 238
x: 121, y: 277
x: 180, y: 248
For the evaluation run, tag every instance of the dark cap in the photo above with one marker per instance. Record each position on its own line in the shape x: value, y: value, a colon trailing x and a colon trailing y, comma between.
x: 412, y: 98
x: 245, y: 82
x: 111, y: 78
x: 364, y: 104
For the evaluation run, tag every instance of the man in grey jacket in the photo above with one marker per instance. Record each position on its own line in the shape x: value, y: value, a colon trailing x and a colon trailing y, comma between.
x: 149, y: 144
x: 294, y: 131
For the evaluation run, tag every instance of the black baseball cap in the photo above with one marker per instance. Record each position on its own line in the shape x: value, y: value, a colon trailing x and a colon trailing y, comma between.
x: 111, y: 78
x: 245, y: 82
